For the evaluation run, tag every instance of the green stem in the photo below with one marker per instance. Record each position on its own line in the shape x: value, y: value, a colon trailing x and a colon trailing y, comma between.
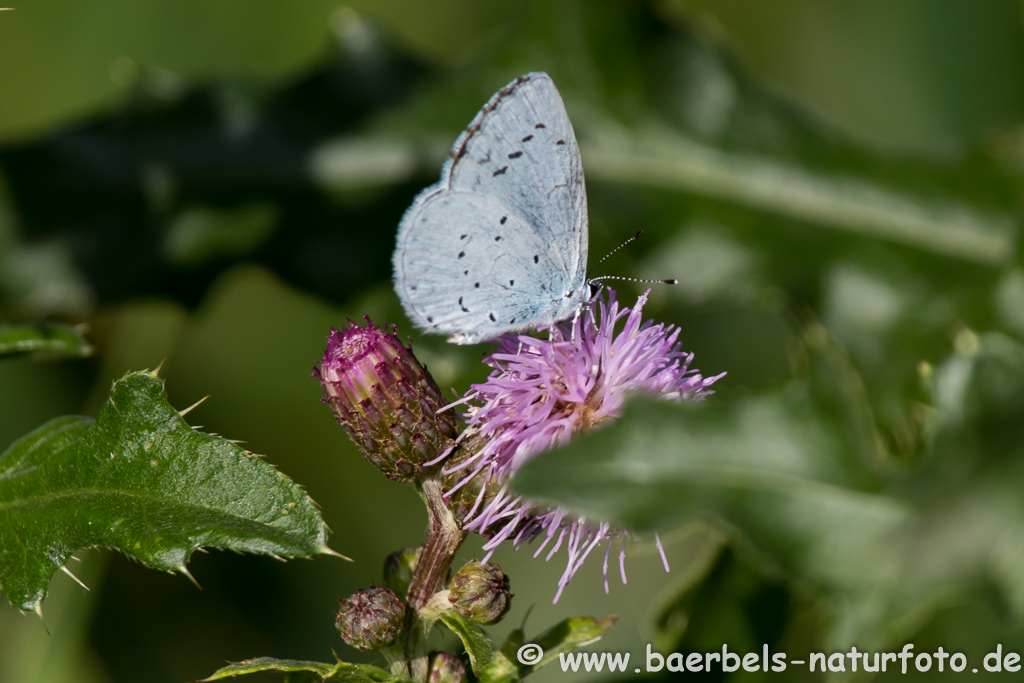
x: 443, y: 540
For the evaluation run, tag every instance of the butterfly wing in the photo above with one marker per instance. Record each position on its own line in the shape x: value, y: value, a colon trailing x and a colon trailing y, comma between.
x: 510, y: 207
x: 475, y: 269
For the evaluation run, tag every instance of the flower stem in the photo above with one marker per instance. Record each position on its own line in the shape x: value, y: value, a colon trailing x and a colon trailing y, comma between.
x: 443, y: 540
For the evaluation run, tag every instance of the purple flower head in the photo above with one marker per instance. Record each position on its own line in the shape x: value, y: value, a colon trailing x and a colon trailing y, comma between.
x: 541, y: 393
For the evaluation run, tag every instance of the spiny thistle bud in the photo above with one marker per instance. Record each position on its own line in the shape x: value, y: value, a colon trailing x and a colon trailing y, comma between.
x: 479, y: 592
x: 399, y: 567
x: 446, y: 668
x: 370, y: 619
x: 385, y: 399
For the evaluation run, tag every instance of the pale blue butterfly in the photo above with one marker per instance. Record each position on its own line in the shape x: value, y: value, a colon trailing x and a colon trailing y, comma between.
x: 500, y: 243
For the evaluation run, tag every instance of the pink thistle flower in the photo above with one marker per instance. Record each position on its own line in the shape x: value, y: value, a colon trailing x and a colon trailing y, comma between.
x: 541, y: 393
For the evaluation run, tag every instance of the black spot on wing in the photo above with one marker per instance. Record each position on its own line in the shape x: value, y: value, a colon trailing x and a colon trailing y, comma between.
x: 476, y: 285
x: 540, y: 125
x: 461, y: 254
x: 430, y: 319
x: 491, y: 316
x: 500, y: 171
x: 503, y: 219
x: 498, y: 238
x: 511, y: 283
x: 462, y: 306
x: 527, y: 138
x: 535, y: 259
x: 560, y: 142
x: 515, y: 155
x: 462, y: 237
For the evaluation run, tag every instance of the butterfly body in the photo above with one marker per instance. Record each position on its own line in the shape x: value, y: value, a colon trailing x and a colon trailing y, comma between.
x: 499, y: 244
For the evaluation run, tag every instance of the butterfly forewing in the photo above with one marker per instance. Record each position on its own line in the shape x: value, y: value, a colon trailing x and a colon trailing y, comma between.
x: 521, y: 149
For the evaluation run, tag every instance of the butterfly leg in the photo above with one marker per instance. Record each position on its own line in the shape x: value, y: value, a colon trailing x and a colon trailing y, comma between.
x: 575, y: 324
x: 592, y: 316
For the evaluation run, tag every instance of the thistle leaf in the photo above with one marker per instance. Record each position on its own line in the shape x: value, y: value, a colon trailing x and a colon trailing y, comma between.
x: 141, y: 480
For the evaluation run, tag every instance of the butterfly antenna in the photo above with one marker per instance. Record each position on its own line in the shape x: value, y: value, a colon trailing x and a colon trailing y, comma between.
x: 673, y: 281
x: 631, y: 239
x: 598, y: 280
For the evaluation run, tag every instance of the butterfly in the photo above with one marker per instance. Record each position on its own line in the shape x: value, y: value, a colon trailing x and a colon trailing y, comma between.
x: 499, y: 244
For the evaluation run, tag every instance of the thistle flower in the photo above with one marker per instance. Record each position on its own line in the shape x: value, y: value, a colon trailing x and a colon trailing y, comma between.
x: 385, y: 399
x: 540, y: 394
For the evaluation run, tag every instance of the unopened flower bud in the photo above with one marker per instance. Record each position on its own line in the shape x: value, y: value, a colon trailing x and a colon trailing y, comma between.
x: 385, y: 399
x: 446, y: 668
x: 370, y: 619
x: 480, y: 592
x: 398, y: 569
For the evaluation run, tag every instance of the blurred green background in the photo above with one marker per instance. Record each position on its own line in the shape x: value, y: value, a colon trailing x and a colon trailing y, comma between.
x: 837, y: 184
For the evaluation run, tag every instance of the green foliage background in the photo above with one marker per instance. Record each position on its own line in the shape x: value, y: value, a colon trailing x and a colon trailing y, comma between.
x: 838, y: 186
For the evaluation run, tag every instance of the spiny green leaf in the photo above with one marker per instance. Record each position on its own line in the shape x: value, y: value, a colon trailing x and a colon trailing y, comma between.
x: 140, y: 480
x: 504, y: 667
x: 570, y: 634
x: 477, y: 645
x: 565, y: 636
x: 759, y: 464
x: 51, y: 339
x: 317, y: 670
x: 296, y: 669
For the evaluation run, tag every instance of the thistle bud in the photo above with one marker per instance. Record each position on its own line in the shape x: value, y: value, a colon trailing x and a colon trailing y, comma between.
x: 370, y: 619
x: 385, y: 399
x: 398, y: 569
x: 446, y: 668
x: 480, y: 592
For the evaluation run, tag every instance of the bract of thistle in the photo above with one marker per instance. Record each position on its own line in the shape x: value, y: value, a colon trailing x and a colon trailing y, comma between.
x: 541, y: 393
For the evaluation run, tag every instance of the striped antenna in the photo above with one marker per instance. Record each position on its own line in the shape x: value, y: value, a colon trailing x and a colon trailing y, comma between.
x: 598, y: 280
x: 638, y: 233
x: 673, y: 281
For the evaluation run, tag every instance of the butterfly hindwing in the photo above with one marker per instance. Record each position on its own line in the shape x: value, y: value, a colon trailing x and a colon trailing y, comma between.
x: 489, y: 277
